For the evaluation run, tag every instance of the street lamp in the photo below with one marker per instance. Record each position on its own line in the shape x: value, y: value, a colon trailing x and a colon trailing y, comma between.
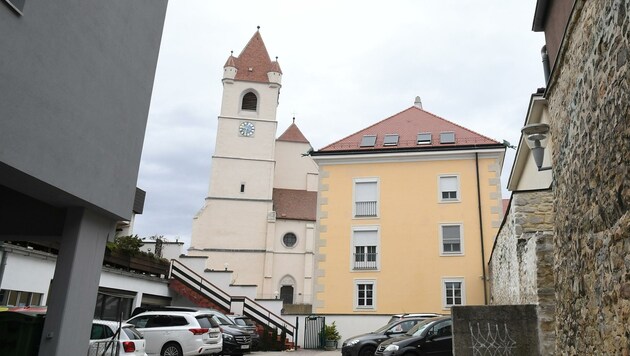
x: 536, y: 138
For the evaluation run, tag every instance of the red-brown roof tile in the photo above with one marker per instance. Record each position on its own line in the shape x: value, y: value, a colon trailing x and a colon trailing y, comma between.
x: 408, y: 124
x: 293, y: 134
x: 254, y: 63
x: 295, y: 204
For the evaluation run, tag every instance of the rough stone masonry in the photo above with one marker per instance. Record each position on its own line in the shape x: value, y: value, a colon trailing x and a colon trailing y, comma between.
x: 589, y: 103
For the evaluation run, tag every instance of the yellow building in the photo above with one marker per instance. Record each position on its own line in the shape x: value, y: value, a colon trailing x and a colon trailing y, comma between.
x: 403, y: 208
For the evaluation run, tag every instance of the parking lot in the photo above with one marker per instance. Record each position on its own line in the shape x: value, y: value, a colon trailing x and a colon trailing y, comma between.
x: 298, y: 352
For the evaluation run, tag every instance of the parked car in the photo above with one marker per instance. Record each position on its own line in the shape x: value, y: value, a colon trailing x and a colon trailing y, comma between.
x: 430, y: 337
x: 236, y: 339
x: 107, y: 339
x: 179, y: 332
x: 247, y: 324
x: 397, y: 317
x: 366, y: 344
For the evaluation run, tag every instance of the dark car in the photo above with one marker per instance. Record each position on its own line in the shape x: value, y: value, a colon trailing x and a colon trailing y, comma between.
x: 430, y: 337
x: 366, y: 344
x: 236, y: 339
x: 247, y: 324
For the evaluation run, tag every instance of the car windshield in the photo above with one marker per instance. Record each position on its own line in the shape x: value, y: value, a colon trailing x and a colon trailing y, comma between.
x: 384, y: 328
x: 419, y: 328
x: 222, y: 319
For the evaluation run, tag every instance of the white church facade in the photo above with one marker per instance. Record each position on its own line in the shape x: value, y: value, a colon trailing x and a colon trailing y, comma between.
x: 258, y: 219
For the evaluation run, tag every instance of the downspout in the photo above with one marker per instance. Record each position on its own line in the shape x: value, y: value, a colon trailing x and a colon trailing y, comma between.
x: 3, y: 262
x: 545, y: 62
x: 483, y: 253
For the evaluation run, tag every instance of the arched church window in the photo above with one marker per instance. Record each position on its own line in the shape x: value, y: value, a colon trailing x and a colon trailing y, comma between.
x: 250, y: 102
x: 289, y: 239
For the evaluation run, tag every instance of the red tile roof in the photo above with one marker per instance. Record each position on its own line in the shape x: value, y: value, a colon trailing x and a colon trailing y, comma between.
x: 506, y: 205
x: 408, y: 124
x: 253, y: 63
x: 293, y: 134
x: 294, y: 204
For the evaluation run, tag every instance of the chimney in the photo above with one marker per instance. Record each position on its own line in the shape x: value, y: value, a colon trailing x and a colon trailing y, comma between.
x: 418, y: 102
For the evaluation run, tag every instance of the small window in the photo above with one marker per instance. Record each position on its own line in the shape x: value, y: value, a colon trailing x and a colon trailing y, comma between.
x: 390, y: 140
x: 424, y: 138
x: 365, y: 294
x: 365, y: 243
x: 451, y: 240
x: 365, y: 198
x: 453, y: 292
x: 368, y: 141
x: 449, y: 188
x: 242, y: 187
x: 289, y: 239
x: 447, y: 137
x: 250, y: 102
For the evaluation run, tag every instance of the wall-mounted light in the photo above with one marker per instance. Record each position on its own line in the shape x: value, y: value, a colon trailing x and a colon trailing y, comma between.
x: 275, y: 294
x: 536, y: 138
x: 226, y: 265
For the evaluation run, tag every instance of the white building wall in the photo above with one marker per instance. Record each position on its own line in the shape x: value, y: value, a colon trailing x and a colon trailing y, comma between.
x: 292, y: 168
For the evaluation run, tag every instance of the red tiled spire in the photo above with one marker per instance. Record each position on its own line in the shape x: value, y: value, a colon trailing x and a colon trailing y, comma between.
x: 253, y: 63
x: 293, y: 134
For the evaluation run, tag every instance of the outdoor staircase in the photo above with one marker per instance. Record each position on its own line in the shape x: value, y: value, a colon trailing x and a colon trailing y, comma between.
x: 205, y: 294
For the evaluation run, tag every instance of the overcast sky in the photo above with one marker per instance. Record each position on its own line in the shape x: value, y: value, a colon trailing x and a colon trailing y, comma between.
x: 346, y: 65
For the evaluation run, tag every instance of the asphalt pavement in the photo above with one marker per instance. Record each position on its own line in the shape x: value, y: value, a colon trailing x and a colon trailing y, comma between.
x: 298, y: 352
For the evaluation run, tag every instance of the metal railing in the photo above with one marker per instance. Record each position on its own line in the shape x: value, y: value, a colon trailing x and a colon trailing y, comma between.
x: 365, y: 208
x: 255, y: 311
x: 364, y: 261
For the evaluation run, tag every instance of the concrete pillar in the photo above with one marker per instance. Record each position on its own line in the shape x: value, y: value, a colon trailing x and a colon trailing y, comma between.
x: 75, y: 283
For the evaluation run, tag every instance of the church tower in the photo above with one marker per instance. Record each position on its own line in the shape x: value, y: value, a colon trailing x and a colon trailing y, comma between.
x: 258, y: 220
x: 232, y: 226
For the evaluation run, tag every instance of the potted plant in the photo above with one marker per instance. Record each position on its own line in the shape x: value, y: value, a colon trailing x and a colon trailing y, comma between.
x: 331, y: 336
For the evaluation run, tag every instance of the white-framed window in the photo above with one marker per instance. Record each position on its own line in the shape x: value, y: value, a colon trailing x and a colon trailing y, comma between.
x: 453, y: 292
x: 451, y: 239
x: 448, y: 188
x: 365, y: 198
x: 365, y: 294
x: 365, y: 247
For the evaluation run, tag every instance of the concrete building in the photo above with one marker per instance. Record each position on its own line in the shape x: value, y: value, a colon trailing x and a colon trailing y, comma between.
x: 407, y: 211
x: 258, y: 220
x: 76, y: 83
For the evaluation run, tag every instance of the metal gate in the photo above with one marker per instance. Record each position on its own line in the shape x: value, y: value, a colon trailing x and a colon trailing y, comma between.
x: 313, y: 332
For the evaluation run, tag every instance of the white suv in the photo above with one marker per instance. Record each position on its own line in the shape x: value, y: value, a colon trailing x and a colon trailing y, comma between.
x: 179, y: 333
x: 109, y: 338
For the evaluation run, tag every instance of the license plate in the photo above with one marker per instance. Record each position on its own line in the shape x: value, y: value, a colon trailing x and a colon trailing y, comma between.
x: 244, y: 346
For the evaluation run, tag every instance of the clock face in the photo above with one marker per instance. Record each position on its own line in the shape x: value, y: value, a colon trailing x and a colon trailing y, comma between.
x: 246, y: 129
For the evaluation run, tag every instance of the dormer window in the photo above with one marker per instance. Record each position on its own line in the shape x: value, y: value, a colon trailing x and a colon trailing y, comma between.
x: 250, y: 102
x: 390, y: 140
x: 447, y: 137
x: 368, y: 141
x: 424, y: 138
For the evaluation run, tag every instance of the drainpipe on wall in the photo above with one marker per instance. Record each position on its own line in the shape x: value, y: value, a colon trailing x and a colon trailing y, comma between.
x: 545, y: 62
x: 483, y: 253
x: 3, y: 262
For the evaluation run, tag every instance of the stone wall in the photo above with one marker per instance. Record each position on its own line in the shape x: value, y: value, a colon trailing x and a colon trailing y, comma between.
x: 589, y: 105
x: 495, y: 330
x: 522, y: 260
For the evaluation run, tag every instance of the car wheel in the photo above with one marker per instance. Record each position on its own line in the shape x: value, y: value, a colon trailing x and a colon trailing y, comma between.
x: 367, y: 350
x: 171, y: 349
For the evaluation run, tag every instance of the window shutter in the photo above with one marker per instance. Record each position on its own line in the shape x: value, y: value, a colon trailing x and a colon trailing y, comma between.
x: 365, y: 191
x: 448, y: 184
x: 365, y: 238
x: 450, y: 234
